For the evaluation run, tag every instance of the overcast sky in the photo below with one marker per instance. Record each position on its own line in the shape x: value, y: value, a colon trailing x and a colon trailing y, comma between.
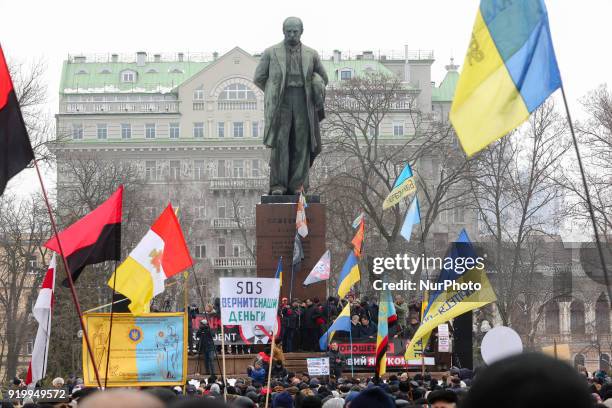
x: 53, y: 29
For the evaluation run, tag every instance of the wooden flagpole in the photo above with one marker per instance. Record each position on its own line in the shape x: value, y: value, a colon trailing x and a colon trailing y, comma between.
x: 75, y: 299
x: 110, y: 329
x: 270, y: 367
x: 223, y: 358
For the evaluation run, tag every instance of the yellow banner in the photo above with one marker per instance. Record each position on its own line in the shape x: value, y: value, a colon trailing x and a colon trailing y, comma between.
x: 454, y: 302
x: 145, y: 350
x: 399, y: 192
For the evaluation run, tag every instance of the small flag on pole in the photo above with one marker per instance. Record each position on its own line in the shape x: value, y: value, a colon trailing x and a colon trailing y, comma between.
x: 160, y: 254
x: 321, y: 270
x: 42, y: 312
x: 94, y: 238
x: 386, y: 315
x: 342, y: 323
x: 349, y: 274
x: 279, y: 270
x: 300, y: 218
x: 358, y: 220
x: 358, y: 238
x: 15, y: 148
x: 413, y: 216
x: 509, y: 70
x: 403, y: 186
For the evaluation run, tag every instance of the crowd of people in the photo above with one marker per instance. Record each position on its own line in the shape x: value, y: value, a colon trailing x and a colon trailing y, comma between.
x: 526, y: 380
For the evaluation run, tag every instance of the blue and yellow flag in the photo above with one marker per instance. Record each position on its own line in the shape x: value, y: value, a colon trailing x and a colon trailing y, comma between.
x: 279, y: 270
x: 403, y: 186
x: 342, y: 323
x: 509, y: 70
x: 349, y: 274
x: 457, y: 298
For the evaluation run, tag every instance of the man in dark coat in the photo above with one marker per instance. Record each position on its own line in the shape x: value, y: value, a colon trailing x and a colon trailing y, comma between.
x: 289, y: 316
x: 206, y: 346
x: 336, y: 360
x: 368, y: 329
x: 293, y: 80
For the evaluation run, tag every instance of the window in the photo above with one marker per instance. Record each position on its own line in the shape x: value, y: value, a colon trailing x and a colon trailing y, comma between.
x: 198, y: 94
x: 32, y: 265
x: 198, y: 129
x: 602, y: 315
x: 200, y: 251
x: 238, y: 129
x: 255, y: 168
x: 77, y: 131
x: 221, y: 168
x: 255, y: 129
x: 236, y: 249
x: 551, y: 318
x: 175, y: 169
x: 458, y: 215
x: 372, y: 131
x: 126, y: 131
x: 346, y: 74
x: 175, y: 130
x: 150, y: 130
x: 221, y: 129
x: 198, y: 169
x: 102, y: 131
x: 398, y: 129
x: 221, y: 247
x: 221, y: 208
x: 201, y: 212
x: 128, y: 76
x: 577, y: 317
x: 151, y: 170
x: 236, y: 92
x: 238, y: 168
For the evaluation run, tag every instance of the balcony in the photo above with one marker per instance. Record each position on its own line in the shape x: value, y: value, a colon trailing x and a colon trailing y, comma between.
x: 247, y: 183
x: 233, y: 263
x: 237, y: 105
x: 89, y: 108
x: 231, y: 223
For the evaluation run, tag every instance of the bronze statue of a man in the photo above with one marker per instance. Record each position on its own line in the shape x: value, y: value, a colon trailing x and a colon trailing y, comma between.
x: 293, y: 80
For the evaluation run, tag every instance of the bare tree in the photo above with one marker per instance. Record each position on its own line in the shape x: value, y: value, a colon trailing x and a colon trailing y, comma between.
x: 360, y: 164
x: 24, y: 227
x: 519, y: 202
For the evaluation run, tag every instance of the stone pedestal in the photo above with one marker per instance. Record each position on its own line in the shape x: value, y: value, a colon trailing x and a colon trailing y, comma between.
x: 275, y: 232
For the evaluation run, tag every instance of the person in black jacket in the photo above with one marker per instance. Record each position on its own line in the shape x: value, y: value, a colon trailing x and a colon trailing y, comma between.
x: 289, y: 324
x: 206, y: 346
x: 336, y: 360
x: 311, y: 314
x: 355, y: 327
x: 368, y: 328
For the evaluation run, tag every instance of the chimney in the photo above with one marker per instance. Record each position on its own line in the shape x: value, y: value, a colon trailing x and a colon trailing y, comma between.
x: 157, y: 57
x: 80, y: 59
x: 141, y: 58
x: 180, y: 56
x: 115, y: 58
x: 368, y: 55
x: 337, y: 56
x: 215, y: 55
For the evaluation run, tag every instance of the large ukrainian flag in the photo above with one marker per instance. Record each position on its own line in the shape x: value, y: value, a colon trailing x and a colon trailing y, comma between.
x: 509, y: 70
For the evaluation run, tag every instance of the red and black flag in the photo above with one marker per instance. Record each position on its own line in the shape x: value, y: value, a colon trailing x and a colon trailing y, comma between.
x: 15, y: 148
x: 94, y: 238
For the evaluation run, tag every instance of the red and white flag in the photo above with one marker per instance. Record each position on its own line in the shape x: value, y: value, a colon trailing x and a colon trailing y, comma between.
x: 42, y: 312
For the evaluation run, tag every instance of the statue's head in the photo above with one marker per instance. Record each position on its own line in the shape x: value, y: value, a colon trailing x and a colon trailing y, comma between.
x: 293, y: 29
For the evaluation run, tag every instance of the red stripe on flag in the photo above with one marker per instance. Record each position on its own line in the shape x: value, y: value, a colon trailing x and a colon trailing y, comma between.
x: 6, y: 85
x: 380, y: 352
x: 176, y: 254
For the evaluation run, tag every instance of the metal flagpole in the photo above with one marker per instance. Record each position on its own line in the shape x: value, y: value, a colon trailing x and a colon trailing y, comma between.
x: 587, y: 195
x: 75, y: 299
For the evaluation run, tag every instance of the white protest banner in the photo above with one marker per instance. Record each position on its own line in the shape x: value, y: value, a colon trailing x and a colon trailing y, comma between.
x: 318, y: 366
x: 443, y: 338
x: 249, y: 301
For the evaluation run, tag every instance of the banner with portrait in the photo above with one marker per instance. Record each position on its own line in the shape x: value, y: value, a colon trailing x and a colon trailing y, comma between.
x: 145, y: 350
